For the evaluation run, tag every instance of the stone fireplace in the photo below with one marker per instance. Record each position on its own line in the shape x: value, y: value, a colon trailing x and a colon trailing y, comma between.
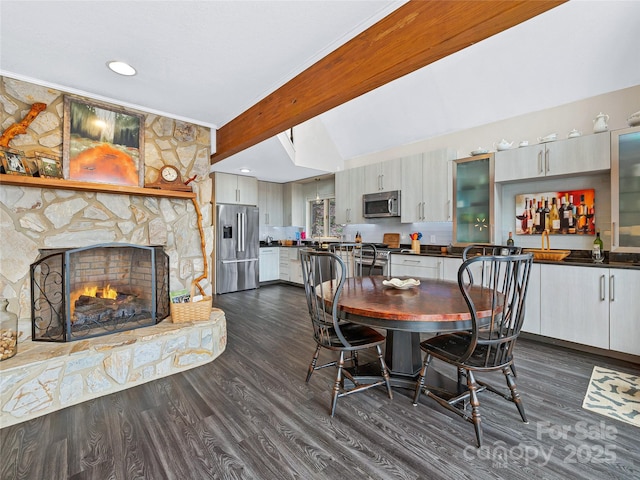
x: 97, y: 290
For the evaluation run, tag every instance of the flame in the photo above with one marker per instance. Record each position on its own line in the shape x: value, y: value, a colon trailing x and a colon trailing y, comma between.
x: 106, y: 292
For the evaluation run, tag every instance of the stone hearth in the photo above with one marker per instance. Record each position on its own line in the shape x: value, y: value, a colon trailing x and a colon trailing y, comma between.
x: 45, y: 377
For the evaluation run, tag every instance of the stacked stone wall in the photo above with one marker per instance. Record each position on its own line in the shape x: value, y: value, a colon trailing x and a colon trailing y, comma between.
x: 35, y: 218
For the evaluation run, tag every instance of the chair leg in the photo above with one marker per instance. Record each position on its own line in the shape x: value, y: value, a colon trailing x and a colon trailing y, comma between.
x: 420, y: 381
x: 513, y: 370
x: 475, y: 406
x: 336, y: 385
x: 385, y: 371
x: 314, y: 362
x: 515, y: 396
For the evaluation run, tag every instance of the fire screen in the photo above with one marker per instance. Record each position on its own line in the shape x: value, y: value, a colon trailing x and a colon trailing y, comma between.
x: 92, y: 291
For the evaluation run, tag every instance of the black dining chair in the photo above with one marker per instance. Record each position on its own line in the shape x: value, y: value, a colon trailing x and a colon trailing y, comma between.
x: 484, y: 270
x: 489, y: 345
x: 329, y: 331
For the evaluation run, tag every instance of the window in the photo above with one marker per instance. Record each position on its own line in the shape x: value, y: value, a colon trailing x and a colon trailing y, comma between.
x: 322, y: 218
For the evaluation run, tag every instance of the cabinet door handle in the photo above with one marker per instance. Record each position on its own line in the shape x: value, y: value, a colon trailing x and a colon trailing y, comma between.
x: 602, y: 285
x: 423, y: 216
x: 612, y: 283
x: 546, y: 160
x: 540, y: 171
x: 614, y: 237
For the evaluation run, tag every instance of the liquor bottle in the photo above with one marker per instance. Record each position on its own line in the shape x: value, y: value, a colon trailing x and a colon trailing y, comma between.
x: 564, y: 224
x: 554, y: 217
x: 538, y: 218
x: 597, y: 252
x: 510, y: 242
x: 545, y: 215
x: 583, y: 223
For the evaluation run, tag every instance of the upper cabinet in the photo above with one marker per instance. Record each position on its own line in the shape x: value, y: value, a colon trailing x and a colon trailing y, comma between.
x: 270, y: 203
x: 589, y: 153
x: 236, y: 189
x: 473, y: 199
x: 349, y: 186
x: 425, y: 187
x: 625, y: 190
x: 293, y: 205
x: 382, y: 177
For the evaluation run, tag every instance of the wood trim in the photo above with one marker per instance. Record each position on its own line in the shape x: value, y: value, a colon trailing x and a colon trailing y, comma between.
x: 61, y: 184
x: 413, y: 36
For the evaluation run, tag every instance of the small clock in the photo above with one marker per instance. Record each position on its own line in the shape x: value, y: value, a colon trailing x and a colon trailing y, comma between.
x: 170, y: 179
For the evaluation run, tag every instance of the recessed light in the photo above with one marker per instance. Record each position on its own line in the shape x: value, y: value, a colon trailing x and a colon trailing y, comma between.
x: 121, y: 68
x: 245, y: 170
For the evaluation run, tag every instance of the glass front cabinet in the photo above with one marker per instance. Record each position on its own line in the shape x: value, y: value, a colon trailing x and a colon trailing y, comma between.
x: 473, y: 200
x: 625, y: 190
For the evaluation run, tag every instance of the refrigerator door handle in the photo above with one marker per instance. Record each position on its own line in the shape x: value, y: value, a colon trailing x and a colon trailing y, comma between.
x: 244, y: 230
x: 245, y: 260
x: 239, y: 230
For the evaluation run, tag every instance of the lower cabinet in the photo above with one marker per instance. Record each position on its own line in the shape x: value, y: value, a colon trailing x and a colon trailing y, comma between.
x: 416, y: 266
x: 290, y: 266
x: 269, y: 264
x: 593, y: 306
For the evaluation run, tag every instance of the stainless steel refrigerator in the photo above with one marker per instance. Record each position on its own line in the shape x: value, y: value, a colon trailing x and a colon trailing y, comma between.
x: 237, y: 248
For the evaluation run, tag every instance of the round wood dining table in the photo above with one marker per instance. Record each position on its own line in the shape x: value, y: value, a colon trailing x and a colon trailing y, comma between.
x: 434, y: 306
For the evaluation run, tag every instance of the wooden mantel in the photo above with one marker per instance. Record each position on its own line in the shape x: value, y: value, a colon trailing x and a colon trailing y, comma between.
x: 61, y: 184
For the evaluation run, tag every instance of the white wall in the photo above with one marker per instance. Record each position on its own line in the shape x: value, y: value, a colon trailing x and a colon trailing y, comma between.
x: 619, y: 105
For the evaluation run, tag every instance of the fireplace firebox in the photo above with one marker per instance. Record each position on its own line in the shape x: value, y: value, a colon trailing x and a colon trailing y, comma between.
x: 91, y: 291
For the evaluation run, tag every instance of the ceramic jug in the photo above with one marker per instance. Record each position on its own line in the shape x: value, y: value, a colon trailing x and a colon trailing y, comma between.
x: 600, y: 123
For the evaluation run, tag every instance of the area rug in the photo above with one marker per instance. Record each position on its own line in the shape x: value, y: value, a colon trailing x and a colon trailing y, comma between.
x: 614, y: 394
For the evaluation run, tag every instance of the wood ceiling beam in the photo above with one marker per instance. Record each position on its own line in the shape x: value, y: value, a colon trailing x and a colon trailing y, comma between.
x: 413, y: 36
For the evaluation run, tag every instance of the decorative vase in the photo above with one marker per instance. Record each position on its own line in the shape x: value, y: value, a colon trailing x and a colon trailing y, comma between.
x: 8, y: 331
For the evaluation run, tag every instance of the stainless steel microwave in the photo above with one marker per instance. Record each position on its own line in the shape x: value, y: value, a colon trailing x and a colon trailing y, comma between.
x: 383, y: 204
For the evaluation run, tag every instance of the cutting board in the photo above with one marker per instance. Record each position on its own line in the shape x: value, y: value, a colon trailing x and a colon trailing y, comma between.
x: 391, y: 239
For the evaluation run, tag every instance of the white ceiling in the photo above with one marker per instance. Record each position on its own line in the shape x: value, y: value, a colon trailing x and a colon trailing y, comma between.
x: 208, y: 61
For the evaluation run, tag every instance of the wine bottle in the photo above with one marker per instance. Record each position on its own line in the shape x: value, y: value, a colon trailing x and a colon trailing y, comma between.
x: 564, y: 224
x: 554, y: 217
x: 532, y: 215
x: 571, y: 215
x: 524, y: 222
x: 597, y: 252
x: 510, y: 242
x: 538, y: 219
x: 545, y: 215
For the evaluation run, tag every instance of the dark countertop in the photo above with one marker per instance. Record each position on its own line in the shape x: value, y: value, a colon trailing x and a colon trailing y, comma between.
x: 578, y: 258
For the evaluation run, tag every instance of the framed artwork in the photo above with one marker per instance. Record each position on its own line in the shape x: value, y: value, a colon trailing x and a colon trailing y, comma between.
x: 49, y: 165
x: 568, y: 212
x: 102, y: 143
x: 13, y: 162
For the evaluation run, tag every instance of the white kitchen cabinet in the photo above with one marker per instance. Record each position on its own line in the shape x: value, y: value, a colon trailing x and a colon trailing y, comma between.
x: 236, y: 189
x: 574, y: 304
x: 625, y: 190
x: 295, y: 266
x: 425, y: 187
x: 269, y: 264
x: 624, y: 310
x: 283, y: 263
x: 293, y: 205
x: 416, y: 266
x: 349, y: 185
x: 289, y: 264
x: 382, y: 176
x: 270, y: 197
x: 589, y: 153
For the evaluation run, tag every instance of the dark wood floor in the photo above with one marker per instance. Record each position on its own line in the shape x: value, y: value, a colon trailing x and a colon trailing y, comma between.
x: 249, y: 414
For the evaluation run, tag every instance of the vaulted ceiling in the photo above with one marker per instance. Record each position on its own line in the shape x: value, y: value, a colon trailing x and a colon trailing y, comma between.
x: 209, y: 61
